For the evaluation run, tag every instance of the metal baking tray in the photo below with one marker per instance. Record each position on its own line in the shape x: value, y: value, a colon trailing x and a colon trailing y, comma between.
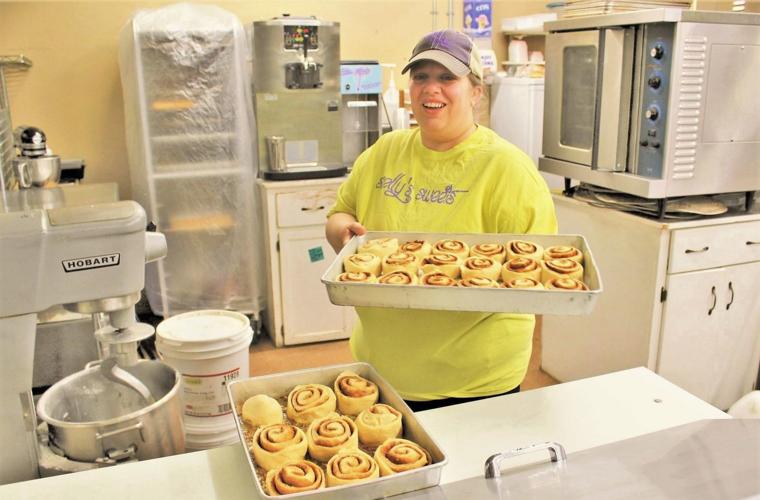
x: 504, y: 300
x: 280, y: 384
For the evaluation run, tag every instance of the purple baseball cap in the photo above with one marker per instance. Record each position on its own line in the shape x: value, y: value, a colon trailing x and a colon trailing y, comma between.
x: 452, y: 49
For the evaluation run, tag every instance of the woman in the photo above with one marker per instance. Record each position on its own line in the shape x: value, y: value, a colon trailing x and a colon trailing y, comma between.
x: 449, y: 175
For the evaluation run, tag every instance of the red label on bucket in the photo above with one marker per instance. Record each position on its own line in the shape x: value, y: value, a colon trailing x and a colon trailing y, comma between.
x: 206, y: 395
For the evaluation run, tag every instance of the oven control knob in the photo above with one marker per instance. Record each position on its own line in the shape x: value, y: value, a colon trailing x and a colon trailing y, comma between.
x: 657, y: 51
x: 655, y: 82
x: 652, y: 113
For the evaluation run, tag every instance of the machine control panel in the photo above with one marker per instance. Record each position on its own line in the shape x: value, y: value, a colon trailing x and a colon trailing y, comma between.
x: 296, y: 36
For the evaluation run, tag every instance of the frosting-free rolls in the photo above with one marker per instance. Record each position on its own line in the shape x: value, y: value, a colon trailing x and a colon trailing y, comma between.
x: 378, y: 423
x: 399, y: 455
x: 565, y: 284
x: 455, y: 247
x: 355, y: 393
x: 522, y: 248
x: 274, y: 445
x: 418, y: 248
x: 481, y: 267
x: 310, y: 401
x: 398, y: 278
x: 400, y: 261
x: 380, y: 246
x: 362, y: 262
x: 294, y: 477
x: 563, y: 252
x: 437, y: 278
x: 524, y: 283
x: 521, y: 267
x: 328, y: 435
x: 261, y: 410
x: 357, y: 277
x: 493, y: 250
x: 446, y: 263
x: 478, y: 282
x: 561, y: 268
x: 350, y: 466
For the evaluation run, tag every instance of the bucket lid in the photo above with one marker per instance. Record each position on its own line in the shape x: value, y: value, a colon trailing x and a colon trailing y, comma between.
x: 202, y: 326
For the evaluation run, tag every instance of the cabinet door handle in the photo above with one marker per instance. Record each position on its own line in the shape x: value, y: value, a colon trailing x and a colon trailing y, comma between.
x: 715, y: 301
x: 730, y: 289
x: 703, y: 249
x: 750, y: 242
x: 313, y: 209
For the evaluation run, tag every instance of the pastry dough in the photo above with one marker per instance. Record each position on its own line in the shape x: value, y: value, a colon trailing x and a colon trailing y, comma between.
x: 354, y: 393
x: 380, y: 246
x: 522, y: 248
x: 563, y: 252
x: 350, y: 466
x: 524, y: 283
x: 478, y: 282
x: 362, y: 262
x: 273, y: 445
x: 294, y: 477
x: 561, y: 268
x: 400, y: 261
x: 310, y: 401
x: 455, y: 247
x: 398, y: 278
x: 357, y: 277
x: 330, y: 434
x: 437, y: 278
x: 481, y: 267
x: 399, y: 455
x: 419, y: 248
x: 521, y: 267
x: 493, y: 250
x: 261, y: 410
x: 565, y: 284
x: 446, y: 263
x: 378, y: 423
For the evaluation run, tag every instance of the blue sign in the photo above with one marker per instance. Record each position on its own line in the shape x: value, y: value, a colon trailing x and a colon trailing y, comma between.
x: 478, y: 18
x: 361, y: 79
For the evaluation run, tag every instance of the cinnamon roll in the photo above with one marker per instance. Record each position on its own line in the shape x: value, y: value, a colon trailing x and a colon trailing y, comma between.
x: 437, y: 278
x: 362, y: 263
x: 398, y: 278
x: 522, y: 248
x: 493, y: 250
x: 524, y: 283
x: 481, y: 267
x: 478, y: 282
x: 565, y: 284
x: 446, y: 263
x: 350, y: 466
x: 355, y: 393
x: 294, y: 477
x: 563, y: 252
x: 330, y: 434
x: 400, y: 261
x: 310, y: 401
x: 357, y: 277
x: 561, y: 268
x: 419, y: 248
x: 261, y: 410
x: 273, y: 445
x: 399, y: 455
x: 455, y: 247
x: 378, y: 423
x: 521, y: 267
x: 380, y: 246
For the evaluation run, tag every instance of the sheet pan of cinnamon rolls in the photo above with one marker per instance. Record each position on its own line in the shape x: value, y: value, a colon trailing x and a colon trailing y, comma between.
x: 462, y: 264
x: 335, y: 432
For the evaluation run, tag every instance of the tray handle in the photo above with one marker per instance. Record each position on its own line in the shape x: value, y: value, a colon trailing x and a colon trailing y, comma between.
x: 493, y: 463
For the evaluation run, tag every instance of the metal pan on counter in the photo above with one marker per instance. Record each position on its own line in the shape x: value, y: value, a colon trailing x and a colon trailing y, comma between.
x: 279, y: 385
x: 504, y: 300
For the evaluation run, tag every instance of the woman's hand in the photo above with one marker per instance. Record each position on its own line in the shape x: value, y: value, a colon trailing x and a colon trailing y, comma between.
x: 341, y: 228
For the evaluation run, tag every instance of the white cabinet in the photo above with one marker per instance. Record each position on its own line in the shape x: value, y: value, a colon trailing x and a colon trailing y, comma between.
x: 299, y: 309
x: 679, y: 298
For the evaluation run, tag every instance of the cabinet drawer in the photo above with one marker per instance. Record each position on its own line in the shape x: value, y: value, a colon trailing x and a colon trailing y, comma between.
x: 304, y: 208
x: 714, y: 246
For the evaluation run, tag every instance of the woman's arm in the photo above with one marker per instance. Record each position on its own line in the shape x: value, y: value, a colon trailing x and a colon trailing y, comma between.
x: 340, y: 228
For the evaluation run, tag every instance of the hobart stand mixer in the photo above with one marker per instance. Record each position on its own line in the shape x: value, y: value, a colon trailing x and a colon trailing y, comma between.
x: 90, y: 259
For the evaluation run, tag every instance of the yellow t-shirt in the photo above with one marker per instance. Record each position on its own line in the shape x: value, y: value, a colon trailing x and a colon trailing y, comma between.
x: 482, y: 185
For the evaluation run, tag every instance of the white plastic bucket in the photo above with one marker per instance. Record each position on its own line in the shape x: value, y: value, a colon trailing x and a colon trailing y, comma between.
x: 209, y: 436
x: 209, y: 348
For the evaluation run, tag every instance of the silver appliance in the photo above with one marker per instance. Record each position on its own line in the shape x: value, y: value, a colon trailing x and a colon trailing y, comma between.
x: 655, y: 103
x: 361, y: 93
x: 296, y: 79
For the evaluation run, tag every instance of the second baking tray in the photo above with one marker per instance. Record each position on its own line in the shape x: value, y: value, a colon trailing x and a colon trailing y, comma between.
x: 280, y: 384
x: 504, y: 300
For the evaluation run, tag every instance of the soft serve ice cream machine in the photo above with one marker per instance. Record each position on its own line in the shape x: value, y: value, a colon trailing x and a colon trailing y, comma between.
x: 90, y: 259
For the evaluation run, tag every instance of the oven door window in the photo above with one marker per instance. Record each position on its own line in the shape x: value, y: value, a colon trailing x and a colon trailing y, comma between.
x: 579, y: 70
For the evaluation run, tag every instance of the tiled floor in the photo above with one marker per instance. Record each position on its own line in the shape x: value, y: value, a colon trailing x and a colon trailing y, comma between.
x: 265, y: 359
